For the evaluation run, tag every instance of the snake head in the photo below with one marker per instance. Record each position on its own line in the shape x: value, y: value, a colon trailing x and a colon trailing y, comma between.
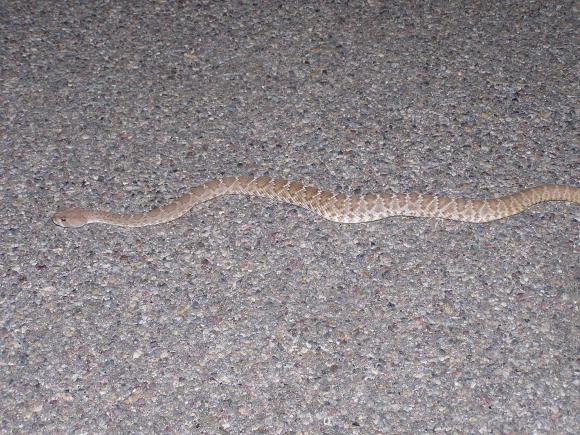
x: 71, y: 217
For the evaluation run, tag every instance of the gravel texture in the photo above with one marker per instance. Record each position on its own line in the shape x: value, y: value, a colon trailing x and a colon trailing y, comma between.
x: 248, y: 316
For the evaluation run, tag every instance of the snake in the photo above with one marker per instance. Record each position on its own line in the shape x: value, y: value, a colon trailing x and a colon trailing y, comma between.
x: 334, y: 206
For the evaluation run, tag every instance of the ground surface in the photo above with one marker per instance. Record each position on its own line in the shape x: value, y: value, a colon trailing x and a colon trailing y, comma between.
x: 249, y: 316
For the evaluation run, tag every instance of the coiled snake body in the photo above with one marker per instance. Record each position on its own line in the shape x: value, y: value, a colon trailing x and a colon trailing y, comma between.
x: 337, y: 207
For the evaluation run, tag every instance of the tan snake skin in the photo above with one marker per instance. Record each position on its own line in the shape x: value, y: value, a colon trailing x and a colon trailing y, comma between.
x: 336, y: 207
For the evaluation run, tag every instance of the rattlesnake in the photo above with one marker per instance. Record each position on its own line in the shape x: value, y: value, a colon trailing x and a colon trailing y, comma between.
x: 337, y: 207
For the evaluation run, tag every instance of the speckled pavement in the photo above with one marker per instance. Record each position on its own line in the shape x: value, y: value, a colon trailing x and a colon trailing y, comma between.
x: 248, y: 316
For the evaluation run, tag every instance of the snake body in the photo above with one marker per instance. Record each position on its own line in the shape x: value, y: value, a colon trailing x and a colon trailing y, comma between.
x: 337, y: 207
